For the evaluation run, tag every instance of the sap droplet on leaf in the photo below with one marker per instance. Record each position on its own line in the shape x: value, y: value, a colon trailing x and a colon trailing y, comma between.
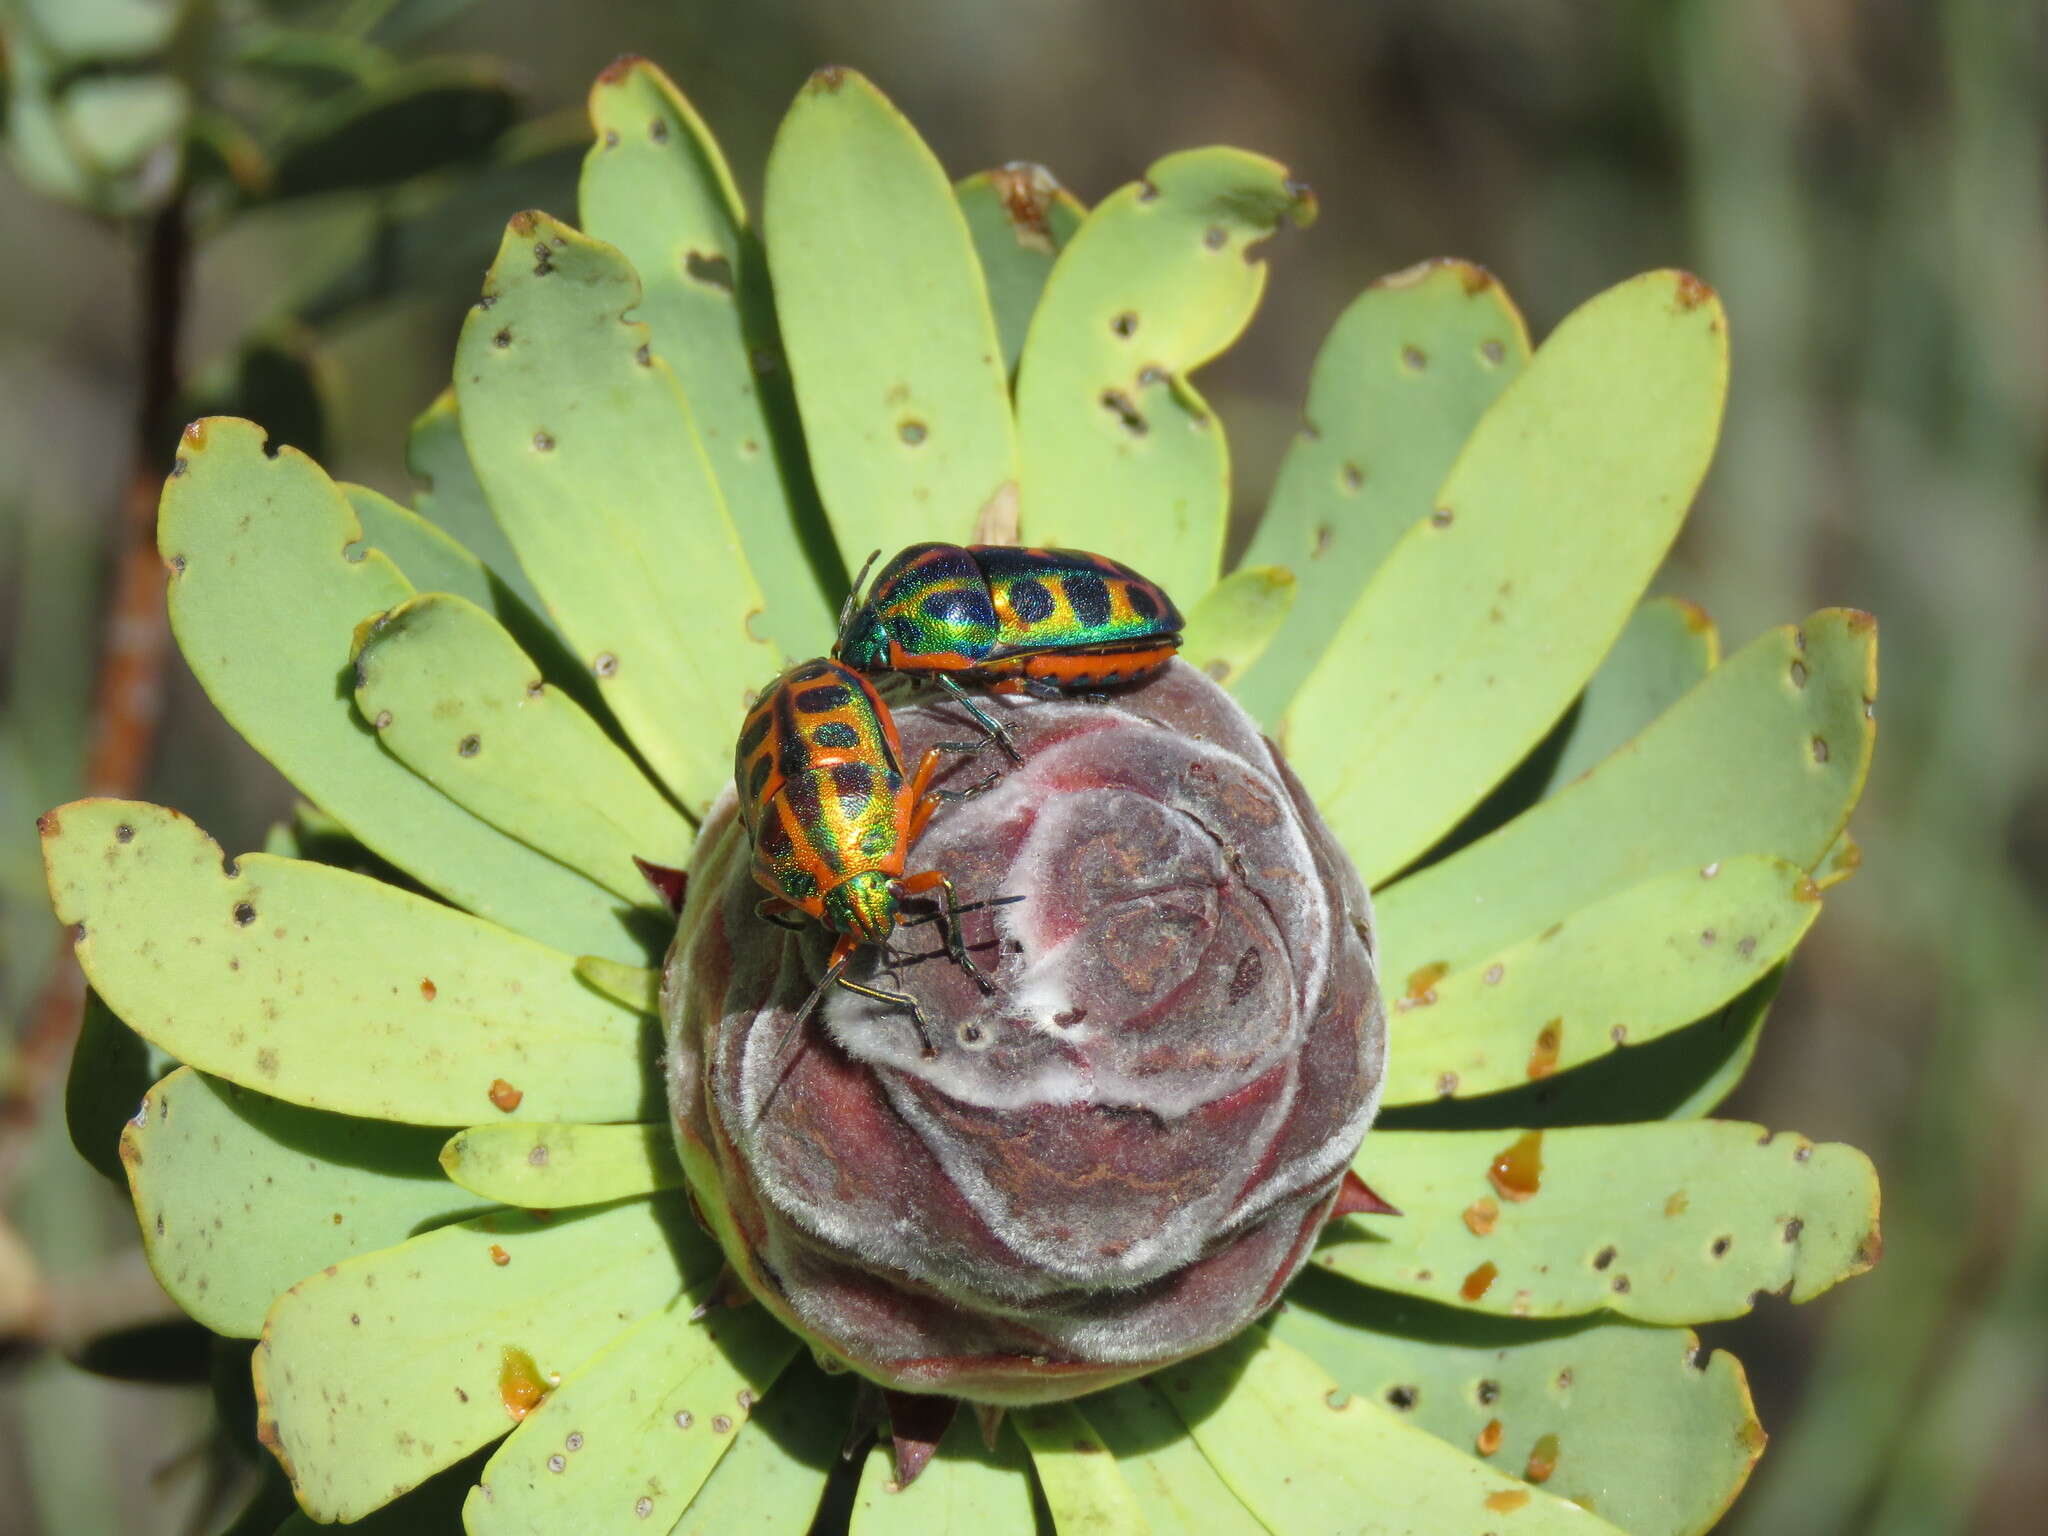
x: 1517, y: 1173
x: 520, y: 1387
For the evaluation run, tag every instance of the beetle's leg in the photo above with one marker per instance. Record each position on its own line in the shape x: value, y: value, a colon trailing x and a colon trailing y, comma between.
x: 997, y: 733
x: 777, y: 911
x: 924, y: 1033
x: 932, y: 879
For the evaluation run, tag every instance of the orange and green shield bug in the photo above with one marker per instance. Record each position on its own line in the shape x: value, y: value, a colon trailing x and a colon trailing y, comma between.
x: 832, y: 816
x: 1040, y: 621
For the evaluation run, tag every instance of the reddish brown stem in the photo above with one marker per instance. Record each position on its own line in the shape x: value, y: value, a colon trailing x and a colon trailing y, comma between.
x: 128, y: 695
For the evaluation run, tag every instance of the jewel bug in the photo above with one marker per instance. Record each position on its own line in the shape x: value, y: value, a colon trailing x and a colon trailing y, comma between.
x: 1040, y: 621
x: 832, y: 815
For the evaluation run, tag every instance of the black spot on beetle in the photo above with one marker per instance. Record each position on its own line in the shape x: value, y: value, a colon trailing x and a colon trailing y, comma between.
x: 1030, y: 602
x: 823, y: 699
x: 1089, y: 595
x: 836, y: 735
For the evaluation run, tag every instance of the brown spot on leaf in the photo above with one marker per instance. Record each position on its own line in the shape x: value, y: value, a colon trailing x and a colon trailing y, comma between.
x: 428, y: 990
x: 504, y: 1095
x: 1543, y: 1059
x: 499, y: 1256
x: 1507, y: 1500
x: 1480, y: 1216
x: 1488, y: 1440
x: 1691, y: 293
x: 1542, y: 1460
x: 1479, y: 1281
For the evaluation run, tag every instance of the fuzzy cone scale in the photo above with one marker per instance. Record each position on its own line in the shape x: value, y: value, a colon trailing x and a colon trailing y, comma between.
x: 1122, y: 1155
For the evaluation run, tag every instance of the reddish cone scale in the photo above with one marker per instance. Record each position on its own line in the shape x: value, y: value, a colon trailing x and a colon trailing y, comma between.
x: 832, y: 815
x: 1119, y: 1157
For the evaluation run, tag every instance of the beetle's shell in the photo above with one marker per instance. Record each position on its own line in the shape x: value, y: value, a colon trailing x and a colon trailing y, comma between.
x: 819, y: 774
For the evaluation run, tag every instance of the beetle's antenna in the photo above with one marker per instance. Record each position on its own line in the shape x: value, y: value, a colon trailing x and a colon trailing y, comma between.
x: 846, y: 609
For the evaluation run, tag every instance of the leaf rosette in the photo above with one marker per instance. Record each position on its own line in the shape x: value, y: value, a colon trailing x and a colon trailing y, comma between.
x: 417, y: 1138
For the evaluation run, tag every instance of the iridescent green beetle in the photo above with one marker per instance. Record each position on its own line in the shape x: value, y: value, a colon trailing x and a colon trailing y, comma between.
x: 1042, y: 621
x: 832, y: 815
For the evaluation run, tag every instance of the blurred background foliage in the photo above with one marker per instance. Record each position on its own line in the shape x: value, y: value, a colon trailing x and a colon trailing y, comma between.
x: 281, y: 209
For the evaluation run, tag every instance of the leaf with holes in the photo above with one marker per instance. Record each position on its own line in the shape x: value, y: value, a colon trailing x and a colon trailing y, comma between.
x: 1682, y: 1221
x: 1680, y: 1075
x: 634, y: 1433
x: 1626, y: 969
x: 455, y: 699
x: 1488, y: 616
x: 1019, y: 218
x: 450, y: 498
x: 240, y: 1195
x: 433, y: 561
x: 549, y: 1165
x: 263, y: 601
x: 885, y: 318
x: 582, y: 440
x: 774, y: 1475
x: 403, y: 1009
x: 1616, y: 1417
x: 655, y: 185
x: 450, y: 1339
x: 1245, y: 1400
x: 1405, y: 375
x: 1230, y: 628
x: 1767, y: 755
x: 1119, y: 452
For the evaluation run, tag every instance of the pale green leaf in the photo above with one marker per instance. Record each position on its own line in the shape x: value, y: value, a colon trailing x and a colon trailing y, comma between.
x: 264, y: 600
x: 1405, y: 375
x: 1630, y: 967
x: 1083, y: 1487
x: 1766, y: 755
x: 964, y: 1487
x: 112, y: 1067
x: 1177, y: 1490
x: 1310, y: 1459
x: 374, y: 1375
x: 885, y: 318
x: 628, y: 1439
x: 1230, y: 628
x: 240, y: 1195
x: 331, y: 989
x: 770, y: 1482
x: 1488, y: 616
x: 433, y: 561
x: 1680, y: 1075
x: 450, y: 498
x: 543, y: 1165
x: 637, y: 986
x: 1632, y: 1423
x: 1677, y: 1221
x: 455, y: 699
x: 1666, y: 647
x: 655, y: 185
x: 1019, y: 218
x: 1119, y: 452
x: 582, y: 440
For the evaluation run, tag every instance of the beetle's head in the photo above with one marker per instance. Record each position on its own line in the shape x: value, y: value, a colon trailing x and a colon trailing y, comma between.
x: 863, y: 906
